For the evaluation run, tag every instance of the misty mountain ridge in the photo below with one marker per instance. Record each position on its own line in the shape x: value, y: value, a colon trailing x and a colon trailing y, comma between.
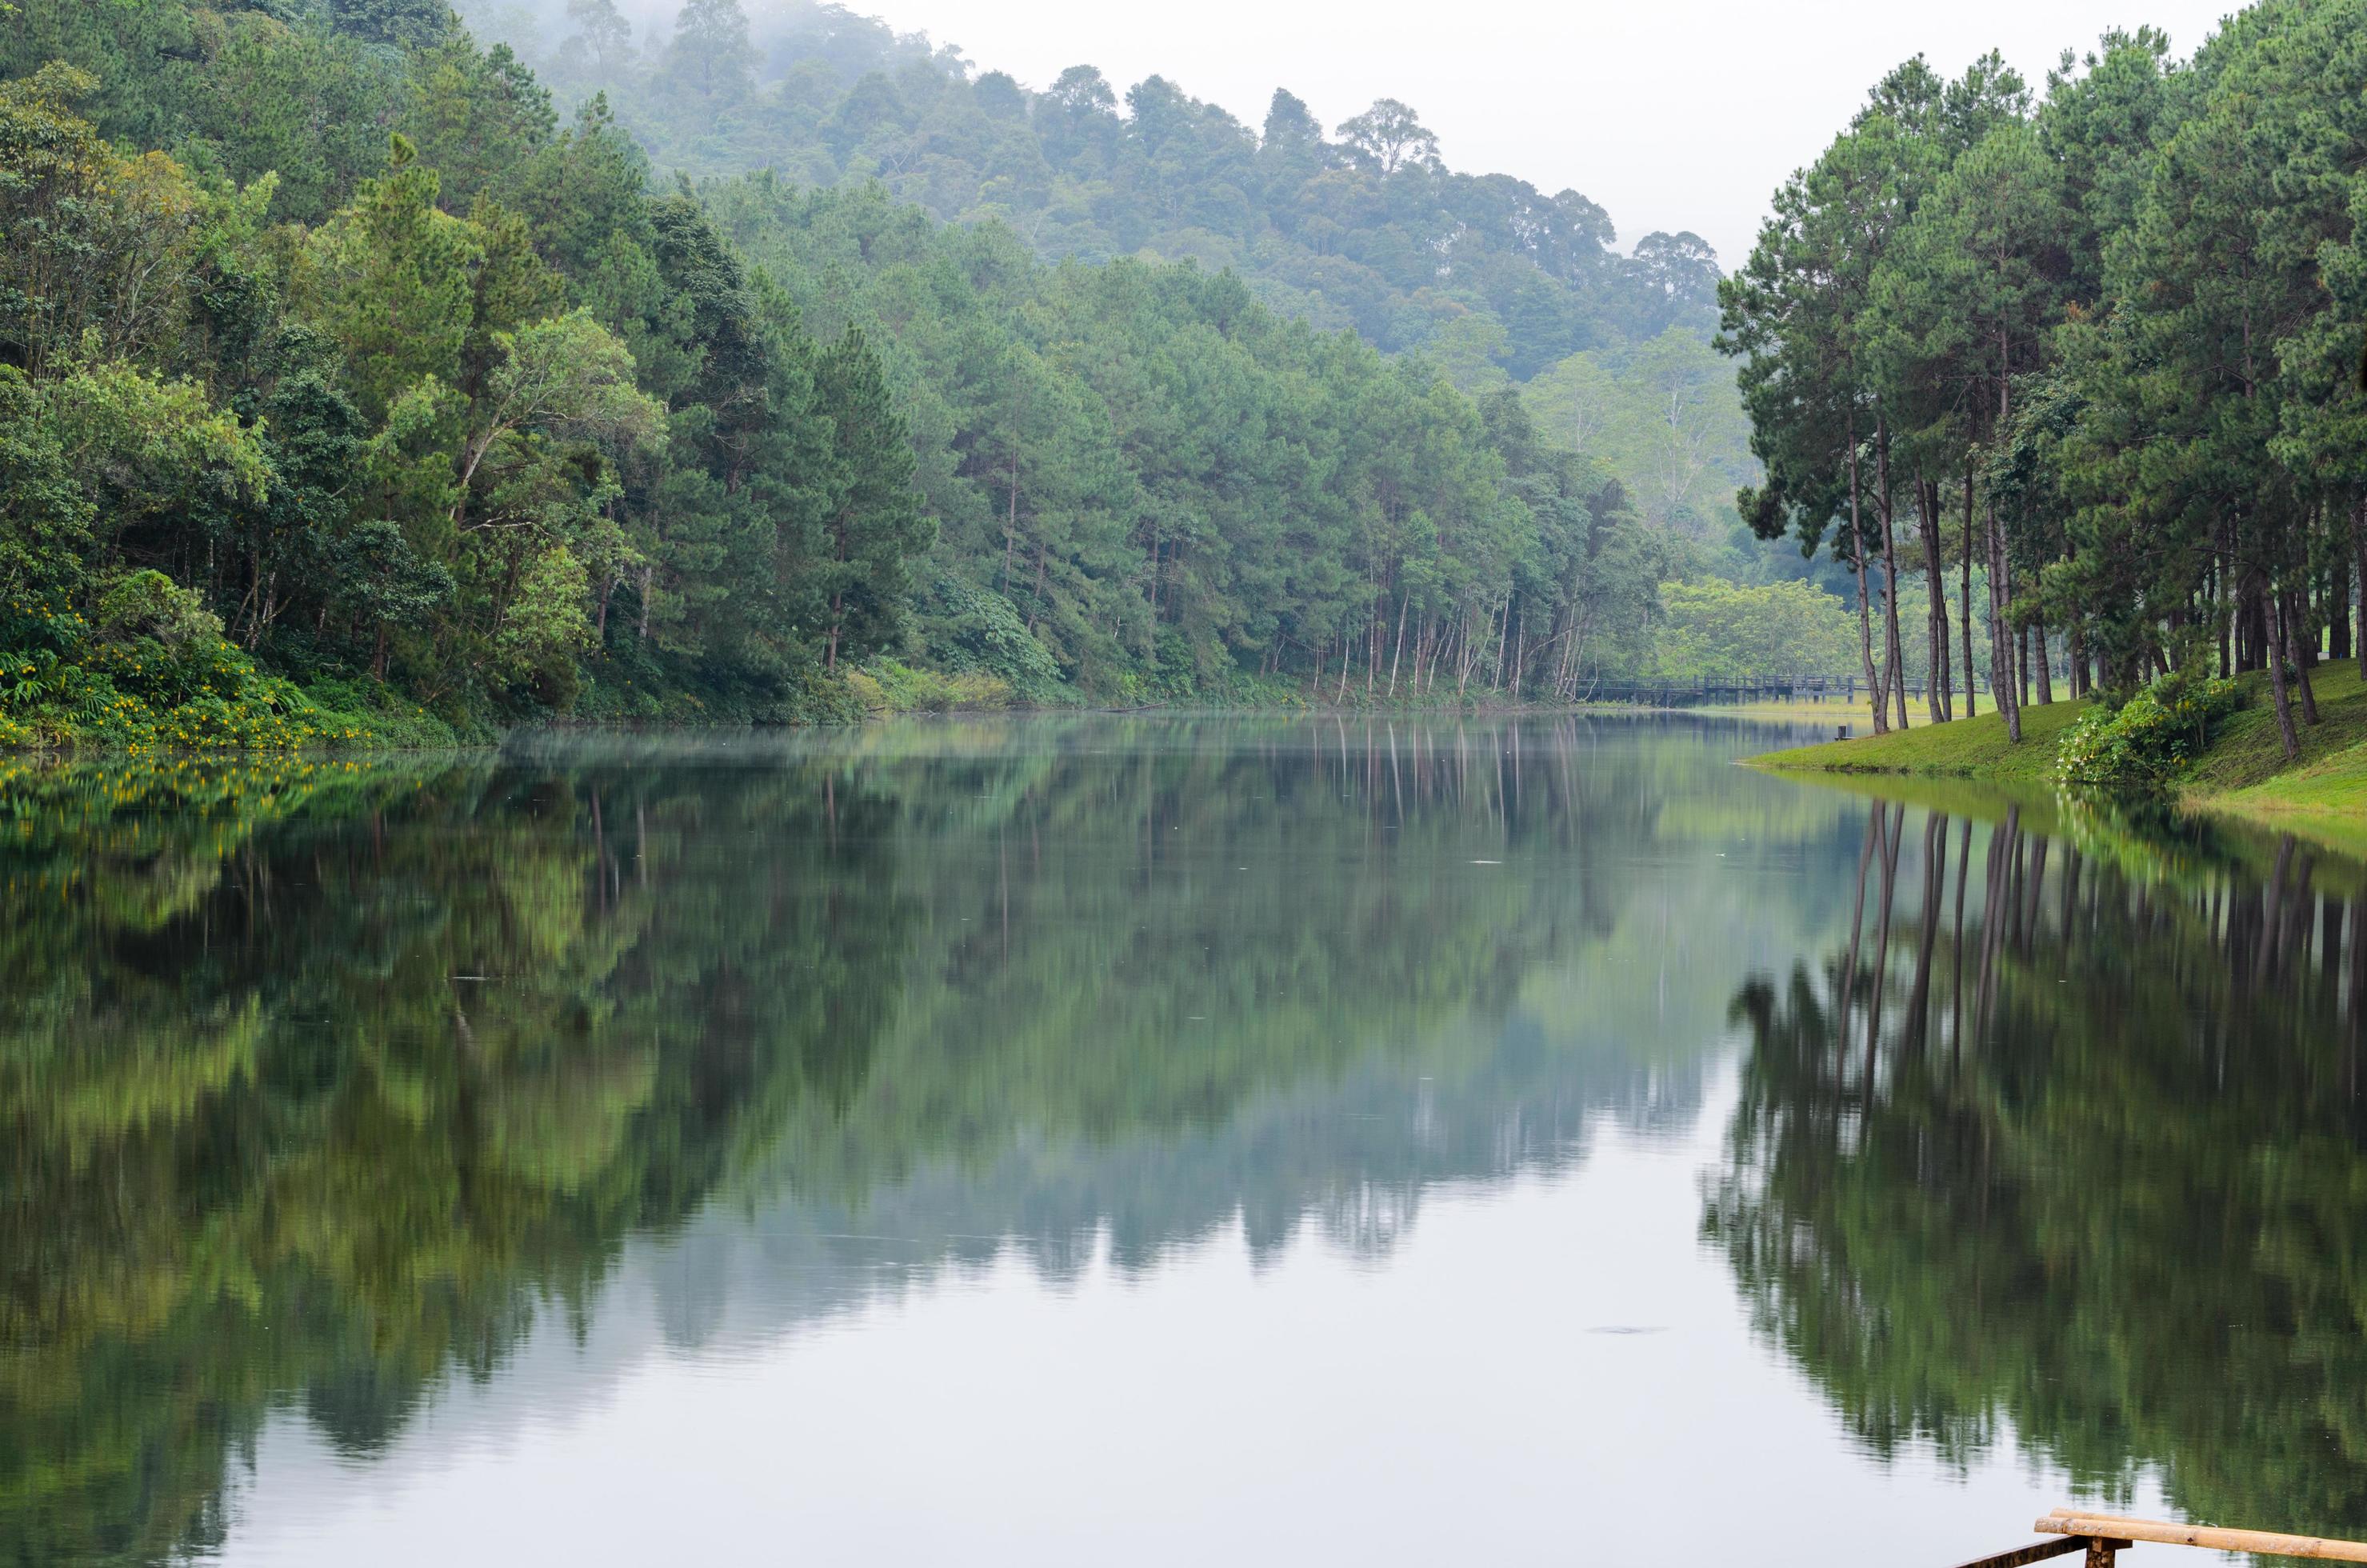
x: 1364, y: 227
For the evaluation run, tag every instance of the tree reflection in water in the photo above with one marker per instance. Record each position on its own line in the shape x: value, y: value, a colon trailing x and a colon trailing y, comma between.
x: 2068, y: 1144
x: 318, y: 1083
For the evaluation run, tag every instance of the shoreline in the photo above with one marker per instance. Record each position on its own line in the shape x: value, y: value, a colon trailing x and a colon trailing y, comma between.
x: 2242, y: 776
x: 155, y: 756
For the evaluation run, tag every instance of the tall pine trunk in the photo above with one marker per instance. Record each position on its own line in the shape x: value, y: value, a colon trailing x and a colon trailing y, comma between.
x: 1896, y: 659
x: 2296, y: 619
x: 2005, y: 683
x: 2337, y: 610
x: 1398, y: 652
x: 1972, y: 674
x: 1927, y: 522
x: 2359, y: 556
x: 2291, y: 743
x: 1865, y: 607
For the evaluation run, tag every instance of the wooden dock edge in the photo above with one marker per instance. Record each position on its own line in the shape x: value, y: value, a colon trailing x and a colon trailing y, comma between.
x: 2103, y: 1534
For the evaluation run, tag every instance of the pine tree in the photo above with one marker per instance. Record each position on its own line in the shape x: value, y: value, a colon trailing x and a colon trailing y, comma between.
x: 875, y: 524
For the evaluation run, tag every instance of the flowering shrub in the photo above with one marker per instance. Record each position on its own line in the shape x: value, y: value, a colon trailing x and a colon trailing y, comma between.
x: 2149, y: 738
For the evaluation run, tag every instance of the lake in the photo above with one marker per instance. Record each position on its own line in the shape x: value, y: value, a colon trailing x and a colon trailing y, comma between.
x: 1160, y: 1141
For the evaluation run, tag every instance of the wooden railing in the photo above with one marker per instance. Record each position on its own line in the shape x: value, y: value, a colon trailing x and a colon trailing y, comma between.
x: 2100, y: 1536
x: 1671, y: 692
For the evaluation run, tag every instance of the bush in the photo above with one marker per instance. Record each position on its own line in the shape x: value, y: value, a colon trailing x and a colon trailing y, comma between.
x: 888, y: 687
x: 2148, y: 739
x: 968, y: 628
x: 149, y: 605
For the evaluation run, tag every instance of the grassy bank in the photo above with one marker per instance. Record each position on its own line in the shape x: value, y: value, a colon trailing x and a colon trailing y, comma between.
x: 2244, y: 772
x: 1858, y: 715
x: 1968, y: 748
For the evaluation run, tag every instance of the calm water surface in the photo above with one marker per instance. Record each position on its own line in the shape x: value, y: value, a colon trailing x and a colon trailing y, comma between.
x: 1160, y: 1141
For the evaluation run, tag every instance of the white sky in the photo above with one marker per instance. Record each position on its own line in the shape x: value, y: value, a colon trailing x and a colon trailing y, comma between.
x: 1673, y: 114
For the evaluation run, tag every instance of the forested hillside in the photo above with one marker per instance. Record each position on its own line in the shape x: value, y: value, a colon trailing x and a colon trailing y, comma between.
x: 1365, y: 227
x: 2086, y: 359
x: 351, y: 391
x: 369, y: 376
x: 340, y: 379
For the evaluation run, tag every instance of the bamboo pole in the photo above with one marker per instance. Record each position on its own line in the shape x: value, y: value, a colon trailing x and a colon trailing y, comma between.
x: 2068, y: 1521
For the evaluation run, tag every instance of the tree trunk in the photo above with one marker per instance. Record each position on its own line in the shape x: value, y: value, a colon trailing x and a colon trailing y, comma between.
x: 2223, y: 614
x: 1926, y: 519
x: 1895, y: 658
x: 1864, y: 605
x: 2004, y: 683
x: 2295, y: 619
x: 2291, y: 742
x: 1010, y: 536
x: 1865, y: 652
x: 2359, y: 555
x: 2251, y: 629
x: 270, y: 610
x: 2338, y: 611
x: 1398, y: 653
x: 1503, y: 639
x: 2302, y: 625
x: 1972, y: 700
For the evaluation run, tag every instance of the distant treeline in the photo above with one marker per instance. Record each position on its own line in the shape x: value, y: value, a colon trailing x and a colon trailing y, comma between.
x: 1364, y: 227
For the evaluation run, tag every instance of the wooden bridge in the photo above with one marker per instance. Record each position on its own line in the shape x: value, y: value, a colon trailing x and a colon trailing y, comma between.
x: 1660, y: 693
x: 2102, y: 1535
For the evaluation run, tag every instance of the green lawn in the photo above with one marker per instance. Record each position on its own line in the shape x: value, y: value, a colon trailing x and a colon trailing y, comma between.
x: 2244, y: 772
x: 1969, y: 748
x: 2246, y: 754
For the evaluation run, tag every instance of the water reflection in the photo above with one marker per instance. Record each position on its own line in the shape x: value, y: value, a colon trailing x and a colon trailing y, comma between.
x: 2063, y: 1138
x: 318, y: 1083
x: 311, y: 1084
